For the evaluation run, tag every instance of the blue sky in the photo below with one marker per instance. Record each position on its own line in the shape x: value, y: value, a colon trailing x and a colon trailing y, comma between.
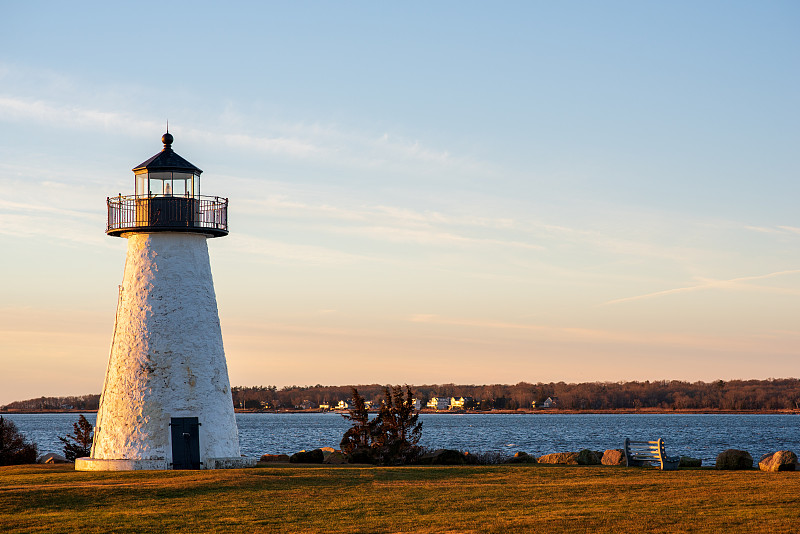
x: 485, y: 192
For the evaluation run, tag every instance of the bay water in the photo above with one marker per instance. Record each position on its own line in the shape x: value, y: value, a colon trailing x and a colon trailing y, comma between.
x: 698, y: 435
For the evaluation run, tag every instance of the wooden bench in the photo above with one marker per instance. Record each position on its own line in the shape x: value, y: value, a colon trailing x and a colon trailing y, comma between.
x: 640, y: 453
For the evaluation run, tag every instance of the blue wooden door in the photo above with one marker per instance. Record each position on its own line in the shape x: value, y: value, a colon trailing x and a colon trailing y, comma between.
x: 185, y: 443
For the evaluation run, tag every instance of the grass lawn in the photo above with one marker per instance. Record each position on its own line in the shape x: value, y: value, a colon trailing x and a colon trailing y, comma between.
x: 502, y: 499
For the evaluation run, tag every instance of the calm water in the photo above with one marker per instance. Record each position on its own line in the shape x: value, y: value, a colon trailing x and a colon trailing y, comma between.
x: 700, y: 436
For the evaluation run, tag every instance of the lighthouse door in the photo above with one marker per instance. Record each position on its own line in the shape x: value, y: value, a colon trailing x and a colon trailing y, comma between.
x: 185, y: 443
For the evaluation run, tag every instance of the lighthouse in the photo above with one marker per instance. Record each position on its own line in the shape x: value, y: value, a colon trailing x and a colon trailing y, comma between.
x: 166, y: 401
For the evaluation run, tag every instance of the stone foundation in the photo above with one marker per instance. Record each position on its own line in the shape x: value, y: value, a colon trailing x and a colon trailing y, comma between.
x: 231, y: 463
x: 92, y: 464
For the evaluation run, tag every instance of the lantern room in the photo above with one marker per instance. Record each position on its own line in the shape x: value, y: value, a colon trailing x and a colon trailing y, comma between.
x: 167, y: 174
x: 167, y: 199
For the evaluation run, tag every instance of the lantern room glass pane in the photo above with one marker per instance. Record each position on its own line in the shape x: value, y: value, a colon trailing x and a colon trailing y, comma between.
x: 159, y: 182
x: 156, y: 186
x: 181, y: 182
x: 195, y: 185
x: 141, y: 184
x: 179, y: 187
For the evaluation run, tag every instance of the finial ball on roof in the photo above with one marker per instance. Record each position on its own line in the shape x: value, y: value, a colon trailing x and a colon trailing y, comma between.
x: 167, y: 140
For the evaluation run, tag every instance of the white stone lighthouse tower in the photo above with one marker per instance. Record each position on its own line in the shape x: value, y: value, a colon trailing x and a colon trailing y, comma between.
x: 166, y: 400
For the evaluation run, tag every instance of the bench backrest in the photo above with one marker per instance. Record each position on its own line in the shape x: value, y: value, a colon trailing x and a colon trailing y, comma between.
x: 645, y: 450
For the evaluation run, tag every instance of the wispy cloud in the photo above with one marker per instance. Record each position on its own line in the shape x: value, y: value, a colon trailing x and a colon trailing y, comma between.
x: 412, y: 149
x: 27, y: 207
x: 400, y: 224
x: 430, y: 237
x: 328, y: 144
x: 774, y: 229
x: 45, y: 208
x: 271, y: 145
x: 548, y: 331
x: 273, y: 250
x: 76, y: 117
x: 283, y: 205
x: 592, y: 336
x: 73, y: 117
x: 464, y: 225
x: 731, y: 284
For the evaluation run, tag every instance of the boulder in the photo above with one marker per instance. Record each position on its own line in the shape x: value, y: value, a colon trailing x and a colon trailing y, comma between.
x: 734, y: 459
x: 442, y: 457
x: 275, y: 458
x: 778, y: 461
x: 328, y: 449
x: 565, y: 458
x: 588, y: 457
x: 613, y: 457
x: 361, y: 455
x: 522, y: 458
x: 688, y: 461
x: 471, y: 459
x: 307, y: 457
x: 53, y: 458
x: 335, y: 458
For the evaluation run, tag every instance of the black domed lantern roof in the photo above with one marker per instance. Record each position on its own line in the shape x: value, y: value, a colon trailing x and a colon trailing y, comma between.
x: 167, y: 199
x: 167, y: 173
x: 166, y: 160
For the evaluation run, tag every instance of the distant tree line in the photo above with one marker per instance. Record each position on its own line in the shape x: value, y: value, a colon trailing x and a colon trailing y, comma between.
x: 80, y: 403
x: 771, y: 394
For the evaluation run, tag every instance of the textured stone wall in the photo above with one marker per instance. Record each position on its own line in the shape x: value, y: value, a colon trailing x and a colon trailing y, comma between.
x: 167, y: 358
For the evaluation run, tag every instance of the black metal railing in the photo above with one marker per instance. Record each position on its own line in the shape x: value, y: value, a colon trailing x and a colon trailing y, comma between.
x: 164, y: 213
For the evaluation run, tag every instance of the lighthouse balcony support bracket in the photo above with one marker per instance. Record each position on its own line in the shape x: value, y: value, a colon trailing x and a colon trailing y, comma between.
x: 167, y: 213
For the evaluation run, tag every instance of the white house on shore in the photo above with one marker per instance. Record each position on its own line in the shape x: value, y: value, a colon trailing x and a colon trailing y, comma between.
x: 460, y: 403
x: 439, y: 403
x: 550, y: 402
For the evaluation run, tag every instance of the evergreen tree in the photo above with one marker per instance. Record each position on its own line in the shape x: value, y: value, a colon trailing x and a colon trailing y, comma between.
x: 398, y: 431
x: 391, y: 438
x: 14, y: 449
x: 357, y: 440
x: 78, y: 445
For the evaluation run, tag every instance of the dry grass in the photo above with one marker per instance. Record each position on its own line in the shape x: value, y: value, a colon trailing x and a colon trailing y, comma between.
x: 502, y: 499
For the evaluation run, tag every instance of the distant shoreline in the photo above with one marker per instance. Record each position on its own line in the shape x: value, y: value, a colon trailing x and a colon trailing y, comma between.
x: 547, y: 411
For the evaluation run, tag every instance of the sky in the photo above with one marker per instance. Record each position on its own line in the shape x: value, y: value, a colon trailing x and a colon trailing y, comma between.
x: 420, y: 192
